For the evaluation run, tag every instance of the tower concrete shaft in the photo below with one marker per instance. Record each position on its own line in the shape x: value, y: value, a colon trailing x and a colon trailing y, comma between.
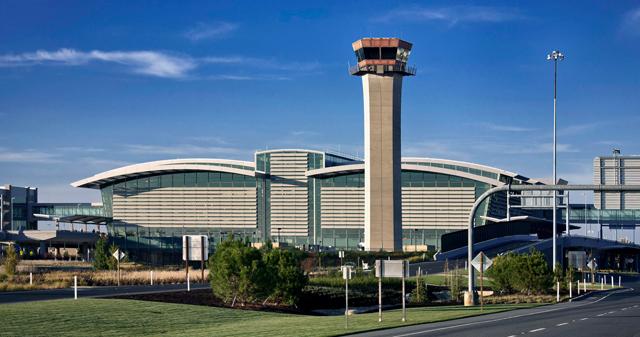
x: 382, y: 64
x: 383, y: 194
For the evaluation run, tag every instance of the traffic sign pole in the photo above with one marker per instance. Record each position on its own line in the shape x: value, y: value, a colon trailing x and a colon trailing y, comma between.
x: 481, y: 281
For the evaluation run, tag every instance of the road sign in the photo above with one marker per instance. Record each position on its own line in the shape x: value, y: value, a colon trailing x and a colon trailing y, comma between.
x: 346, y: 272
x: 195, y: 247
x: 592, y: 264
x: 118, y: 254
x: 396, y: 269
x: 481, y: 262
x: 341, y: 254
x: 391, y: 268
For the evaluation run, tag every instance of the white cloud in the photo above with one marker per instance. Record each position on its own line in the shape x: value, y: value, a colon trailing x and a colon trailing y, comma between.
x: 203, y: 31
x: 261, y: 63
x: 454, y: 14
x: 576, y: 129
x: 631, y: 22
x: 150, y: 63
x: 160, y: 64
x: 27, y: 156
x: 181, y: 150
x: 507, y: 128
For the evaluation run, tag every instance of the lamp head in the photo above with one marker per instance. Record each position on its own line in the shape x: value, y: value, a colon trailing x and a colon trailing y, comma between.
x: 555, y: 56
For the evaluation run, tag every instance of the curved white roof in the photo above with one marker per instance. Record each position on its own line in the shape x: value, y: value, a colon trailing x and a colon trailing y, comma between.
x: 161, y: 166
x: 352, y: 168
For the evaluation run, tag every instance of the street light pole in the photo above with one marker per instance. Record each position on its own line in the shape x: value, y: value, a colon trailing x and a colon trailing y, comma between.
x: 12, y: 198
x: 555, y: 56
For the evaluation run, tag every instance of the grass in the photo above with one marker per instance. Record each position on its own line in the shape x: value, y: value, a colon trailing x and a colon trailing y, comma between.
x: 115, y: 317
x: 64, y: 279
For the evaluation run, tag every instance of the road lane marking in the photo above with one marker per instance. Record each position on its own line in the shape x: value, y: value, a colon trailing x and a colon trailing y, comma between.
x: 611, y: 312
x: 536, y: 330
x: 584, y: 319
x: 623, y: 309
x: 561, y: 324
x: 512, y: 317
x: 602, y: 314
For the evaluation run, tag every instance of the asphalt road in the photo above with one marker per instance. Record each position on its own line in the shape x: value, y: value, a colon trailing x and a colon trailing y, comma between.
x: 56, y: 294
x: 612, y: 313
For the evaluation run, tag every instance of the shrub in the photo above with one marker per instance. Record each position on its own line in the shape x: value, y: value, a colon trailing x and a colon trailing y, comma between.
x: 525, y: 273
x: 101, y: 255
x: 237, y: 272
x: 286, y: 274
x: 10, y: 260
x: 420, y: 295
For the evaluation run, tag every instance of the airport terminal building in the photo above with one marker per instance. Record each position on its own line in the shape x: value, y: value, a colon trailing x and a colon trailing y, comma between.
x: 301, y: 197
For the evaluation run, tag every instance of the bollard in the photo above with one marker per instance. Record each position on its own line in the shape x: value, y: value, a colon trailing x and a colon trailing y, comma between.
x: 75, y: 287
x: 612, y: 282
x: 557, y: 291
x: 578, y: 287
x: 619, y: 281
x: 570, y: 289
x: 151, y: 277
x: 601, y: 283
x: 30, y: 279
x: 188, y: 283
x: 584, y: 286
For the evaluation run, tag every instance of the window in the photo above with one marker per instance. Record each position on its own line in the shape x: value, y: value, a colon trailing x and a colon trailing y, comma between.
x: 190, y: 179
x: 372, y: 53
x: 178, y: 179
x: 388, y: 53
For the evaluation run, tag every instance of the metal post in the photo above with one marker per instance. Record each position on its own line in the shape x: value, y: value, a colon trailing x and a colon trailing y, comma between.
x: 202, y: 258
x: 118, y: 259
x: 619, y: 281
x: 567, y: 215
x: 30, y: 279
x: 346, y: 299
x: 151, y: 277
x: 578, y: 287
x: 481, y: 281
x: 557, y: 291
x: 555, y: 180
x: 612, y: 282
x: 11, y: 217
x: 509, y: 205
x: 75, y: 287
x: 188, y: 283
x: 380, y: 298
x: 1, y: 212
x: 404, y: 308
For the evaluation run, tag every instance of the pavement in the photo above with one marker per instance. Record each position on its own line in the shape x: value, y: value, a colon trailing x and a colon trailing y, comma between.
x: 67, y: 293
x: 607, y: 313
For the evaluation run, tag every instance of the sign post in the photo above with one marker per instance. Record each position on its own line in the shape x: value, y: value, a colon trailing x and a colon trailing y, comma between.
x: 119, y: 255
x: 346, y: 275
x: 195, y: 248
x: 481, y: 263
x: 395, y: 269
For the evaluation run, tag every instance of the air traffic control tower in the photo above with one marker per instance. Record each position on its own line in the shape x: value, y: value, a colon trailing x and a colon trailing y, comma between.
x: 382, y: 62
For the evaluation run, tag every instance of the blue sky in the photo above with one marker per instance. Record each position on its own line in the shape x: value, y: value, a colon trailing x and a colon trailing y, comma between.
x: 91, y: 86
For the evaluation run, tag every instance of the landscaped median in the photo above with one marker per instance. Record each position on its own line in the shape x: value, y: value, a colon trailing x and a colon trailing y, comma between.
x: 110, y: 317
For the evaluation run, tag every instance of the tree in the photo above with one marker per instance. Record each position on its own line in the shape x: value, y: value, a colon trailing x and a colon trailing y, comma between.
x: 284, y: 268
x: 111, y: 260
x: 237, y: 272
x: 101, y: 255
x: 420, y: 295
x: 10, y: 260
x: 525, y: 273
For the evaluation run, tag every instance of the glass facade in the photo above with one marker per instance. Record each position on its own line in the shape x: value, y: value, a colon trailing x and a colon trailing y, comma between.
x: 16, y: 206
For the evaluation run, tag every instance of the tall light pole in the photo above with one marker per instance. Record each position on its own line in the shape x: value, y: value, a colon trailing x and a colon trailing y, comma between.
x: 12, y: 198
x: 555, y: 56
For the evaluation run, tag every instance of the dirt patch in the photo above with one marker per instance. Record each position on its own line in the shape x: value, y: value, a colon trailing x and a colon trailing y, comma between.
x: 205, y: 297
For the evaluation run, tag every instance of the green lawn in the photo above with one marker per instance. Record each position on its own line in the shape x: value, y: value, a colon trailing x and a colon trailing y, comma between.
x: 111, y: 317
